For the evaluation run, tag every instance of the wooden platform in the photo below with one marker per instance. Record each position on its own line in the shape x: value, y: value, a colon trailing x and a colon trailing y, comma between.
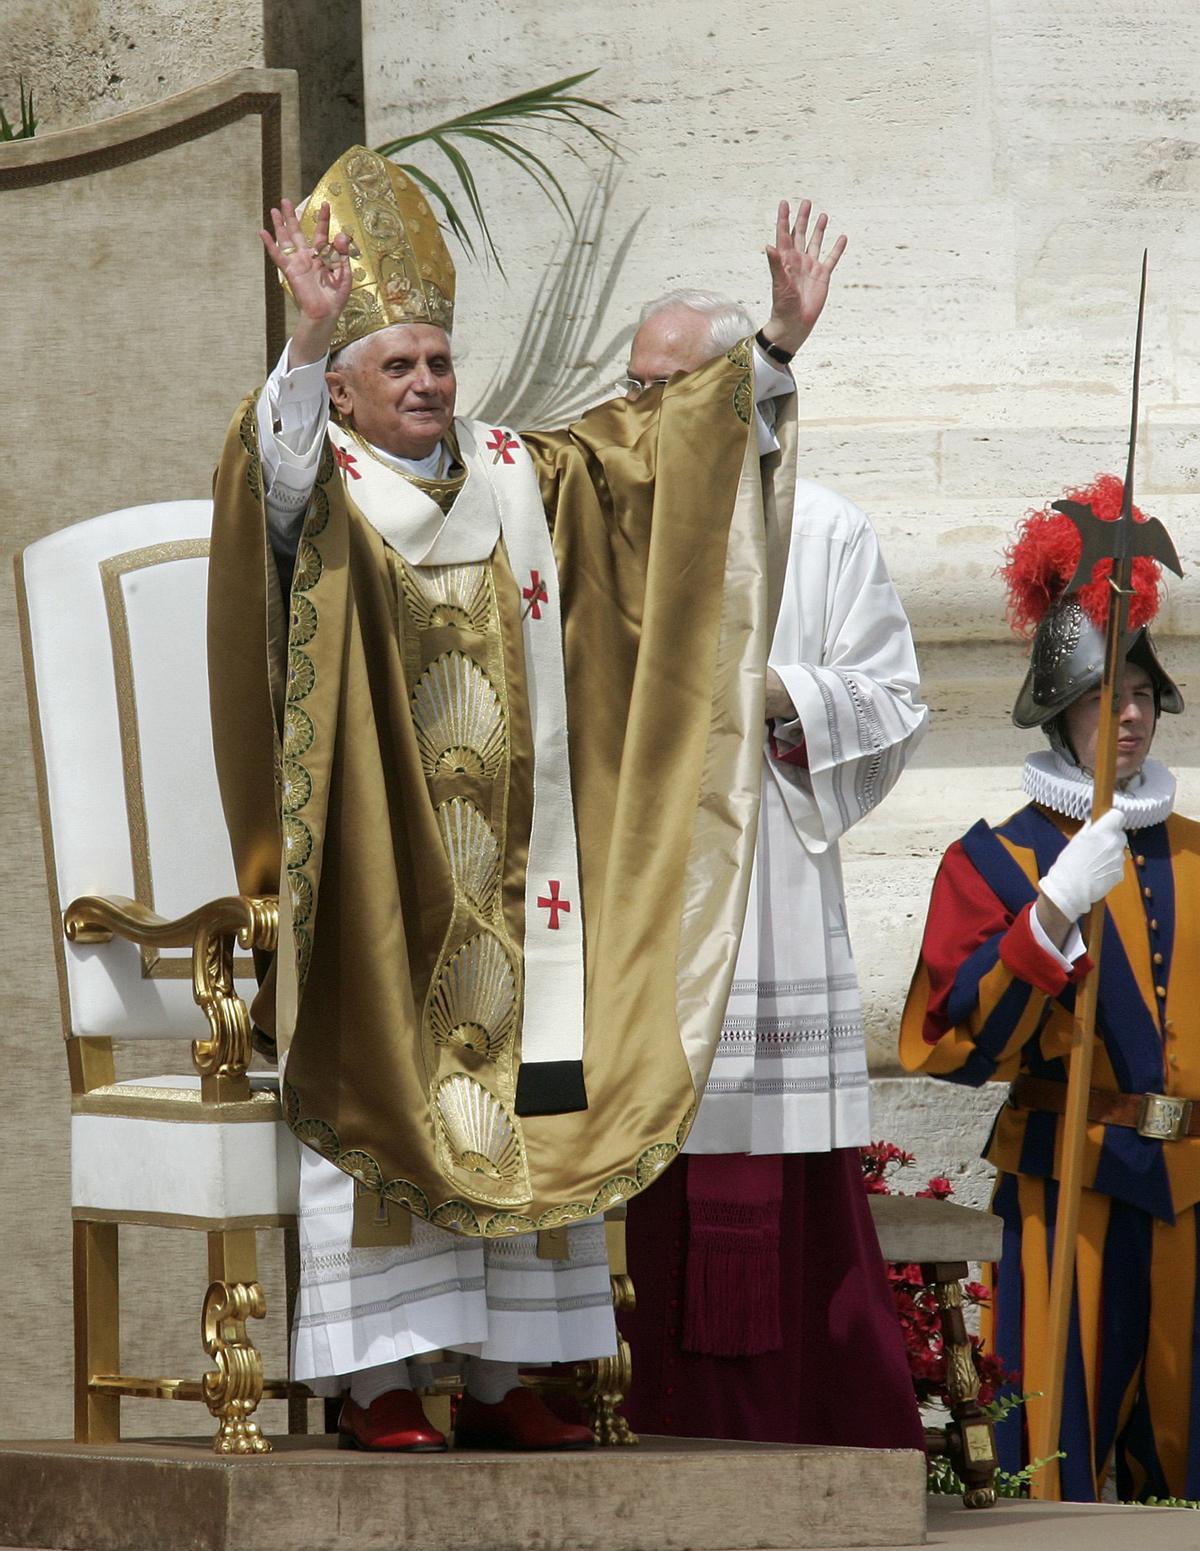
x: 663, y: 1495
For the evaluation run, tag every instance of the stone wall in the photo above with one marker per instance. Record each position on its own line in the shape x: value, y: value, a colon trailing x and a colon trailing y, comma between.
x: 998, y: 165
x: 88, y: 59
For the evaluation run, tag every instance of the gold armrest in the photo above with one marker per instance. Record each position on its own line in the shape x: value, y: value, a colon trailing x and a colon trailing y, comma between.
x: 101, y: 917
x: 211, y: 931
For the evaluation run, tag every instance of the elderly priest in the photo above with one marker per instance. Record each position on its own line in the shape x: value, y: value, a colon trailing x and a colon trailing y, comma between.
x: 487, y: 714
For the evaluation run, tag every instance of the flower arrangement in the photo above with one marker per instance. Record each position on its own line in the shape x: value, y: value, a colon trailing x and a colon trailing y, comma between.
x: 915, y: 1305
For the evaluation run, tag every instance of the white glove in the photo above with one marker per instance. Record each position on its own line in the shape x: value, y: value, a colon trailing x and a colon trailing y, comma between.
x: 1091, y: 863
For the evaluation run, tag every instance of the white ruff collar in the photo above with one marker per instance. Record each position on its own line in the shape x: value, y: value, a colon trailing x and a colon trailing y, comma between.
x: 1051, y: 781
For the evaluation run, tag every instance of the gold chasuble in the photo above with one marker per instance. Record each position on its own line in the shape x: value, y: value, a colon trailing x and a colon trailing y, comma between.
x: 377, y: 770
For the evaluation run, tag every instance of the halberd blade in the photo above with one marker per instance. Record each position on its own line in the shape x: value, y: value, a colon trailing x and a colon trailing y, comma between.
x: 1123, y: 539
x: 1097, y: 541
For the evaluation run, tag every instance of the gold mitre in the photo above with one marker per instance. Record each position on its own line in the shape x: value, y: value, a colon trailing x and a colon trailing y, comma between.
x: 401, y: 271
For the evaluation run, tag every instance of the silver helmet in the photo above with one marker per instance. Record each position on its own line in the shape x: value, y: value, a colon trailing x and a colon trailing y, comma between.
x: 1067, y: 660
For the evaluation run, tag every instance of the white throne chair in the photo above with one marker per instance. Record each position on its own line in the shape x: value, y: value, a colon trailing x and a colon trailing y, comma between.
x: 147, y: 924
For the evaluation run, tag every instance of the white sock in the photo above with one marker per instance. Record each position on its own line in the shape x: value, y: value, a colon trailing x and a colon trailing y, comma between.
x: 489, y: 1381
x: 369, y: 1383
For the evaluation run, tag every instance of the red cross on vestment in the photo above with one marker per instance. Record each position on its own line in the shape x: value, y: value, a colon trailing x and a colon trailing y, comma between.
x: 346, y: 460
x: 537, y: 595
x: 500, y: 444
x: 553, y: 904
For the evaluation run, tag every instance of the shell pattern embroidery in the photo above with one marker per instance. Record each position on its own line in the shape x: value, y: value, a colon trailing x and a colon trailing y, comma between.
x: 471, y: 1011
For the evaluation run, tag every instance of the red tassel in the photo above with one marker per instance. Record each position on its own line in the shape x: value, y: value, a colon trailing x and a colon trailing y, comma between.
x: 732, y: 1291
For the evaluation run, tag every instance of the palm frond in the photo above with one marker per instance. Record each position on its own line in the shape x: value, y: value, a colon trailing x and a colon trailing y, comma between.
x: 541, y: 110
x: 467, y: 178
x: 454, y: 220
x: 528, y: 160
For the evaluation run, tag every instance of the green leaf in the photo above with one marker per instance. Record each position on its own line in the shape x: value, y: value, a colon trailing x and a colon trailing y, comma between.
x: 28, y: 121
x: 467, y: 179
x: 452, y: 215
x: 528, y: 162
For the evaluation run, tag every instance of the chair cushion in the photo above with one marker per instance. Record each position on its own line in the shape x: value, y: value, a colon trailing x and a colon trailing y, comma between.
x: 150, y: 1151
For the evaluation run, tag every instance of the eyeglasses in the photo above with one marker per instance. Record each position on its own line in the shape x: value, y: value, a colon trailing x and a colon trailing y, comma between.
x: 630, y: 387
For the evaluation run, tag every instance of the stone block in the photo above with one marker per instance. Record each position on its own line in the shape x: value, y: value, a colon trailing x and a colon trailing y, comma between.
x: 663, y: 1495
x: 1077, y: 262
x: 876, y: 461
x: 1006, y: 375
x: 1031, y: 462
x: 944, y: 1125
x: 1184, y: 327
x: 929, y: 1231
x: 942, y: 553
x: 1172, y: 453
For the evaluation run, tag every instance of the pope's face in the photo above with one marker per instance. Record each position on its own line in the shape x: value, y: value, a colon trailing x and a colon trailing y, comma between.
x: 1135, y: 723
x: 399, y: 391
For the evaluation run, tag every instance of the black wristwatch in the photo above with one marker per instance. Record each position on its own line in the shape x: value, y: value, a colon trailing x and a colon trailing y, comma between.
x: 776, y: 352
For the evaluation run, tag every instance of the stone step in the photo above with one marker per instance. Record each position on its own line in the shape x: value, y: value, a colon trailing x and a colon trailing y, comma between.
x: 665, y: 1494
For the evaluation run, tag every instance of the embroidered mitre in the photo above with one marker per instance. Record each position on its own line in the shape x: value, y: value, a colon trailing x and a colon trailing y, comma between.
x: 401, y: 269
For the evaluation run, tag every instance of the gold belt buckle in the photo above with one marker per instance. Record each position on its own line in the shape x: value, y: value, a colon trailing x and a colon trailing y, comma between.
x: 1162, y: 1118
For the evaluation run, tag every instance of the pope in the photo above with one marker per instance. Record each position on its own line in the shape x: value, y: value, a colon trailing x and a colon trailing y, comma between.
x: 486, y: 709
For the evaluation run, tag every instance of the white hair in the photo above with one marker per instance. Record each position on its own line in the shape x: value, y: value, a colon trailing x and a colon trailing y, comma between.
x: 728, y: 322
x: 346, y: 359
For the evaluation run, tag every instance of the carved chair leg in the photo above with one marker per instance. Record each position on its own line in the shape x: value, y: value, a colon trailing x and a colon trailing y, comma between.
x: 602, y: 1384
x: 970, y: 1440
x: 610, y: 1377
x: 297, y: 1406
x: 614, y: 1375
x: 233, y: 1391
x: 97, y: 1329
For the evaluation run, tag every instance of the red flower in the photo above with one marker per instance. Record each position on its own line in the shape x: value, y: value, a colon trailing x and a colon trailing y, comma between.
x: 877, y: 1159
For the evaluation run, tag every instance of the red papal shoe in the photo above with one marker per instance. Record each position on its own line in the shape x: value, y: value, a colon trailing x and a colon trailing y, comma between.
x: 394, y: 1422
x: 522, y: 1420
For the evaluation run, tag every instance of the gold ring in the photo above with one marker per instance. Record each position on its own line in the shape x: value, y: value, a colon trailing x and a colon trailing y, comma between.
x: 288, y: 247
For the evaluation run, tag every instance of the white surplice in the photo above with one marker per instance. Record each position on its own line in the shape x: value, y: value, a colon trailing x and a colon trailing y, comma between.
x: 790, y: 1072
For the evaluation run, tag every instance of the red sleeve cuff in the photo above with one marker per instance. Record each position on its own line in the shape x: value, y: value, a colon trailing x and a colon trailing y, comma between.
x: 1021, y: 953
x: 796, y: 755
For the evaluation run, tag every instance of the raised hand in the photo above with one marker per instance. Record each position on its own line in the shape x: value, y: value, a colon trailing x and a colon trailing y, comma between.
x: 799, y: 275
x: 317, y: 273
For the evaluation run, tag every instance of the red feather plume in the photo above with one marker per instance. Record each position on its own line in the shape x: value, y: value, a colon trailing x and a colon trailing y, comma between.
x: 1043, y: 555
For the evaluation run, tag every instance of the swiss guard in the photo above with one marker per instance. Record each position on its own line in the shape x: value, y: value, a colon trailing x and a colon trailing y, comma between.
x: 992, y: 999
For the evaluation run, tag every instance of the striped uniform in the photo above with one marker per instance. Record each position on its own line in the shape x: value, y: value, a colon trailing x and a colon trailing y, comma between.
x: 987, y: 1002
